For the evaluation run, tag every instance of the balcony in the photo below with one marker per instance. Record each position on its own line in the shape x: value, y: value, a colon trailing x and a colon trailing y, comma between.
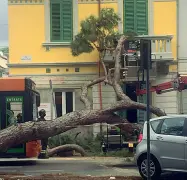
x: 161, y: 48
x: 161, y: 55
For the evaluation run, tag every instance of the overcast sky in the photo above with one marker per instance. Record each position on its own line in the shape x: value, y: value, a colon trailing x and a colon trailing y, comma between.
x: 3, y: 22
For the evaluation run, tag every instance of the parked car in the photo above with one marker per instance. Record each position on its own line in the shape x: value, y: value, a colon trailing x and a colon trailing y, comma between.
x: 168, y: 146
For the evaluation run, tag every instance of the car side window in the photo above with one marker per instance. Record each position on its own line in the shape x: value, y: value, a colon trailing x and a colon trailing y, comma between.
x: 172, y: 126
x: 155, y: 125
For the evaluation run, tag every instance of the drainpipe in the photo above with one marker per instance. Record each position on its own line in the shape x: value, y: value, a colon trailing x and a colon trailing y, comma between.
x: 99, y: 7
x: 99, y: 65
x: 99, y: 68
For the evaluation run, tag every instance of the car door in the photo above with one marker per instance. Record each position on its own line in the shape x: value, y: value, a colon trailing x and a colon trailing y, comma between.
x: 185, y: 135
x: 170, y: 143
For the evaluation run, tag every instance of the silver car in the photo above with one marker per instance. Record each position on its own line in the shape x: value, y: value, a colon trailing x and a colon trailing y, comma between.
x: 168, y: 137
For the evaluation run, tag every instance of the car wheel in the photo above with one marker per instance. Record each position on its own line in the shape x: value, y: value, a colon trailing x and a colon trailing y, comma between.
x: 155, y: 170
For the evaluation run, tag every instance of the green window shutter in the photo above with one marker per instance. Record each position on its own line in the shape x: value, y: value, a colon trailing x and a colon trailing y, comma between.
x: 61, y: 20
x: 136, y: 16
x: 67, y: 19
x: 129, y: 17
x: 55, y: 21
x: 142, y: 17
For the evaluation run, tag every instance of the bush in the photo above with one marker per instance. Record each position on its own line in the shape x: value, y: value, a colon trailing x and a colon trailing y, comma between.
x: 91, y: 145
x: 60, y: 140
x: 120, y: 153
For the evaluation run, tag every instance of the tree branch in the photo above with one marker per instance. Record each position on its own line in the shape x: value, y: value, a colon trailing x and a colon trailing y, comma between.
x: 102, y: 62
x: 66, y: 147
x: 123, y: 104
x: 84, y: 94
x: 117, y: 72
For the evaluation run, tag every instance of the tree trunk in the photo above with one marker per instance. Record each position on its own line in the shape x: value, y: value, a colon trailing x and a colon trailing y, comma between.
x: 29, y: 131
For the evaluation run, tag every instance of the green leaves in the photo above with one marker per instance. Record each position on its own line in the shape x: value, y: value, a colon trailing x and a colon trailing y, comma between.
x: 96, y: 33
x: 108, y: 20
x: 80, y: 45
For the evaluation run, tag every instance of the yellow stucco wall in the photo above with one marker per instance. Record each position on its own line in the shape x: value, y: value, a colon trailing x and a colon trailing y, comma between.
x: 86, y: 10
x: 165, y: 23
x: 27, y: 33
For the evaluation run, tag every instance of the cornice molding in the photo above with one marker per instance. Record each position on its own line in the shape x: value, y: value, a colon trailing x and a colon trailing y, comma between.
x: 34, y: 2
x: 29, y: 2
x: 20, y: 65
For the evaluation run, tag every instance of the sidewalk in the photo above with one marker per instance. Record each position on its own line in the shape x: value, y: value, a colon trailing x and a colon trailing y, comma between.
x: 128, y: 161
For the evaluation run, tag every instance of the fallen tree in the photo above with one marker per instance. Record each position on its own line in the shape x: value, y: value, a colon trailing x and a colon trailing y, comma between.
x: 29, y: 131
x: 38, y: 130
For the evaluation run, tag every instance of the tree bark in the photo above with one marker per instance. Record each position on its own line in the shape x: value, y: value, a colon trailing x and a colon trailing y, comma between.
x: 66, y: 147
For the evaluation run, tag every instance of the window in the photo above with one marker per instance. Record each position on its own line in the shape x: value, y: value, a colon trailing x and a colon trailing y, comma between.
x: 61, y: 20
x: 69, y: 102
x: 155, y: 125
x: 14, y: 107
x: 48, y: 70
x: 64, y: 102
x: 136, y: 16
x: 58, y: 103
x: 77, y: 69
x: 172, y: 126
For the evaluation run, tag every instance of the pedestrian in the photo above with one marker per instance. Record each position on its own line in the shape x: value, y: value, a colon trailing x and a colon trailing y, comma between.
x: 19, y: 118
x: 44, y: 142
x: 104, y: 147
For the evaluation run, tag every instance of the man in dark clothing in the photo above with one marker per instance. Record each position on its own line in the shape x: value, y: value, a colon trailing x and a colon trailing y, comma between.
x: 44, y: 142
x: 19, y: 118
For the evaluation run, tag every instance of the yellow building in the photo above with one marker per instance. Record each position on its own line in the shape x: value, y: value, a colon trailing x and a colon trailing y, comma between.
x: 40, y: 32
x: 167, y: 18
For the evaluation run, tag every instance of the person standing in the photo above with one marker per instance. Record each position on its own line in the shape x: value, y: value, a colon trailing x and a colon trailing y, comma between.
x: 44, y: 142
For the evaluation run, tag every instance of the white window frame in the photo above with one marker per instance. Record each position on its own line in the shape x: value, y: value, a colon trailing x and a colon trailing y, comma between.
x: 47, y: 19
x: 64, y: 101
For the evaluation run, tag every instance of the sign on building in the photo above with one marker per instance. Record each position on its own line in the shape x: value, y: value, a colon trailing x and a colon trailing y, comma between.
x: 26, y: 58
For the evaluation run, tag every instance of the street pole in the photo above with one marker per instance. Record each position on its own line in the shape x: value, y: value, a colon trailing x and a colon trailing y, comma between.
x: 148, y: 121
x: 146, y: 64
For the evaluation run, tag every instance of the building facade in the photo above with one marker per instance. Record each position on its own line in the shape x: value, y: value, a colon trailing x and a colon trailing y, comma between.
x: 168, y: 16
x: 40, y: 32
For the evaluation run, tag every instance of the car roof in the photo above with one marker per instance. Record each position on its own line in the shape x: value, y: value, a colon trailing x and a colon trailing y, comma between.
x: 169, y: 116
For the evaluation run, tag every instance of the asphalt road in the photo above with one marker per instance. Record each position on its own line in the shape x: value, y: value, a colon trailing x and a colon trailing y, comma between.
x: 76, y: 167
